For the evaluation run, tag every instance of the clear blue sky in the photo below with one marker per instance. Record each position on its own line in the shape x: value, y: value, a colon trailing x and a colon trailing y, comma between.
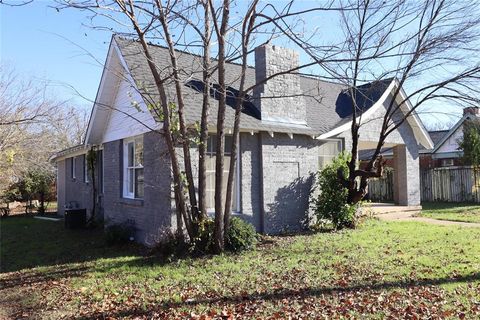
x: 52, y: 46
x: 38, y: 41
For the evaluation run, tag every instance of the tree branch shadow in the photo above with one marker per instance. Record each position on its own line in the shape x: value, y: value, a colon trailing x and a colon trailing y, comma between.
x: 281, y: 294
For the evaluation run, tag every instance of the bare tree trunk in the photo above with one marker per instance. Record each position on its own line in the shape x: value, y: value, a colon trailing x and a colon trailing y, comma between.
x: 222, y: 102
x: 167, y: 129
x: 202, y: 147
x: 352, y: 190
x: 246, y: 29
x: 181, y: 107
x: 91, y: 165
x: 42, y: 203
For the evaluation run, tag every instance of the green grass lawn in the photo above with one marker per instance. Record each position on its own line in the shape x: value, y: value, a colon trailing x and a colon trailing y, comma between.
x: 464, y: 212
x: 381, y: 270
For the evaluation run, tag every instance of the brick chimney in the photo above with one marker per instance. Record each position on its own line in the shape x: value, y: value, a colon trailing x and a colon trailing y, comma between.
x: 279, y: 99
x: 474, y: 111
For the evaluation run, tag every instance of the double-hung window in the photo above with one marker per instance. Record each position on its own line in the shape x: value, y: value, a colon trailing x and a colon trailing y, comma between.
x: 328, y: 151
x: 210, y: 173
x: 133, y: 168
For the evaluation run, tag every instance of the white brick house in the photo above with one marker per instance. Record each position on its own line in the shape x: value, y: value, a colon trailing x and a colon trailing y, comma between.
x: 291, y: 126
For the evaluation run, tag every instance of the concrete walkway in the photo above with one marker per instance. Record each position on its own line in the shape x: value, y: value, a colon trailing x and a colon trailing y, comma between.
x: 410, y: 216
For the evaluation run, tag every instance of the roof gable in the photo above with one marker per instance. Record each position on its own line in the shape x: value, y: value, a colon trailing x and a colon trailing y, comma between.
x: 112, y: 117
x: 437, y: 135
x: 327, y: 102
x: 451, y: 132
x: 413, y: 120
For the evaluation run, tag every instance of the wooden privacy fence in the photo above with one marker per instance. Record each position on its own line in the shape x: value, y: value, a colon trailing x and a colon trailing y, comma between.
x: 450, y: 184
x: 381, y: 189
x: 454, y: 184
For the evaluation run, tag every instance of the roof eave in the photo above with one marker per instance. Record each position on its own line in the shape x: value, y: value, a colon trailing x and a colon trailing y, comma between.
x: 450, y: 132
x: 427, y: 141
x: 69, y: 152
x: 367, y: 114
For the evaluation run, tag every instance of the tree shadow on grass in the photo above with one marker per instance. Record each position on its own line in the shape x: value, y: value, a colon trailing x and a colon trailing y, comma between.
x: 289, y: 294
x: 31, y: 278
x: 29, y: 243
x: 37, y: 251
x: 57, y: 272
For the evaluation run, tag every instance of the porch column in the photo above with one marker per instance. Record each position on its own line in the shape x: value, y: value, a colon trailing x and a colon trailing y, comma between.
x: 406, y: 175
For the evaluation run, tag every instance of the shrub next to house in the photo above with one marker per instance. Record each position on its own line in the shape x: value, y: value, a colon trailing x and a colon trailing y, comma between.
x: 240, y: 236
x: 331, y: 204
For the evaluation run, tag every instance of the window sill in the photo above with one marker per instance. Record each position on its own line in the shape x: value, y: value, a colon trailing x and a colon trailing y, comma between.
x: 211, y: 213
x: 131, y: 202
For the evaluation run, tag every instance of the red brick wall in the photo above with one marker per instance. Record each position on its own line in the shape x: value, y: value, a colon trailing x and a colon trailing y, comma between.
x: 427, y: 162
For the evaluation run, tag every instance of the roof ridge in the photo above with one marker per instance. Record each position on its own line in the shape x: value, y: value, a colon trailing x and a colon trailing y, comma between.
x: 305, y: 76
x: 178, y: 50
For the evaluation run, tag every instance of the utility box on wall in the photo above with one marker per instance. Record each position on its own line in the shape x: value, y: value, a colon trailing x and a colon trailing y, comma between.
x: 75, y: 218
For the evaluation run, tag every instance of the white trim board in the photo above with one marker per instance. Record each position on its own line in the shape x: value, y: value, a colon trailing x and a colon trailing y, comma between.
x: 113, y: 117
x: 413, y: 120
x: 367, y: 114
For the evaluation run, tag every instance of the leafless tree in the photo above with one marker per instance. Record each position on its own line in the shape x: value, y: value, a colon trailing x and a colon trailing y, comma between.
x: 21, y: 101
x: 428, y: 48
x: 15, y: 3
x: 440, y: 126
x: 220, y: 37
x: 33, y: 125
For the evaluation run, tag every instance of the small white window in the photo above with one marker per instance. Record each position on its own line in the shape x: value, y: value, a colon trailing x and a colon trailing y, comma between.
x: 133, y: 168
x: 328, y: 151
x: 447, y: 162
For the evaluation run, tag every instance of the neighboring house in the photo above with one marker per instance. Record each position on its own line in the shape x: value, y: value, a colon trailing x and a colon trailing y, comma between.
x: 291, y: 126
x: 445, y: 152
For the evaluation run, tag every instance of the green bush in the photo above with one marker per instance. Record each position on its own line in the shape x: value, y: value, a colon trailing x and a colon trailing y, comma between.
x: 240, y: 236
x: 118, y: 234
x: 204, y: 241
x: 171, y: 246
x: 331, y: 204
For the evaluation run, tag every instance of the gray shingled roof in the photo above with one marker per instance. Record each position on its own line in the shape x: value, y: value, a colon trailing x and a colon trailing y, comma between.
x: 366, y: 154
x: 325, y: 109
x: 437, y: 136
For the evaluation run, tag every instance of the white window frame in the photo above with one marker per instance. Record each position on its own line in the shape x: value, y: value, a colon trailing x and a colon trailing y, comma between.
x: 126, y: 193
x: 447, y: 162
x: 238, y: 209
x: 237, y: 194
x: 342, y: 148
x: 103, y: 172
x: 74, y: 176
x: 85, y: 172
